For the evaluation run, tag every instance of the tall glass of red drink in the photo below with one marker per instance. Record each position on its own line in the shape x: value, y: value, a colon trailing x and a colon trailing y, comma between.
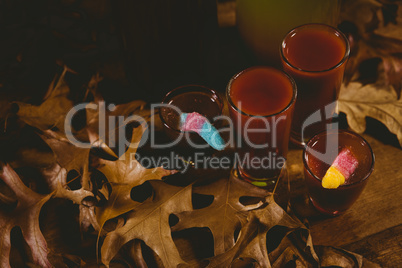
x: 319, y: 154
x: 261, y: 102
x: 315, y: 55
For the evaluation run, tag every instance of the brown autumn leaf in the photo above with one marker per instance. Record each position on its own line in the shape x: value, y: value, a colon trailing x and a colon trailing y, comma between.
x: 252, y: 242
x: 112, y: 119
x: 56, y: 178
x: 52, y: 111
x: 69, y: 157
x: 293, y: 250
x: 358, y: 101
x: 149, y: 222
x: 272, y: 238
x: 373, y: 77
x: 26, y: 216
x: 226, y: 214
x: 124, y: 174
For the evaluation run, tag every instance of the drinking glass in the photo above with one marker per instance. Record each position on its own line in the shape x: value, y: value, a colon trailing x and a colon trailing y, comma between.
x: 318, y: 156
x: 315, y: 55
x: 261, y: 102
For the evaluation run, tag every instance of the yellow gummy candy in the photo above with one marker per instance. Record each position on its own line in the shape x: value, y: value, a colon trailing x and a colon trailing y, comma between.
x: 332, y: 179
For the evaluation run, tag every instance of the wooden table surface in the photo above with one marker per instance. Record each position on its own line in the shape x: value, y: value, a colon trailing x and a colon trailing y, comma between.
x: 372, y: 227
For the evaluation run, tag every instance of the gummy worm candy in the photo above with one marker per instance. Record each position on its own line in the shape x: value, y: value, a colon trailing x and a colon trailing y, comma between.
x: 199, y: 124
x: 341, y: 169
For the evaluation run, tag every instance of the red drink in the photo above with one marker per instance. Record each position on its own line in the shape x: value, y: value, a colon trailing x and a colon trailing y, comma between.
x: 261, y: 101
x: 328, y: 145
x: 261, y: 91
x: 314, y: 55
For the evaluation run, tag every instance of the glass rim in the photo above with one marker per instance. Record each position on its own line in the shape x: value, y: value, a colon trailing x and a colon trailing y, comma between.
x: 326, y: 132
x: 292, y: 101
x: 342, y: 35
x: 171, y: 92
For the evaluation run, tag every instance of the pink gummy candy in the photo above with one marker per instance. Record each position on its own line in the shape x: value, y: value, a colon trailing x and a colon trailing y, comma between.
x: 198, y: 123
x: 346, y: 163
x: 193, y: 122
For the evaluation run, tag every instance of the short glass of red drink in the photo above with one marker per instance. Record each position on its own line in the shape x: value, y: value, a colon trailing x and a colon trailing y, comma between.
x: 261, y: 102
x: 315, y: 55
x: 319, y: 154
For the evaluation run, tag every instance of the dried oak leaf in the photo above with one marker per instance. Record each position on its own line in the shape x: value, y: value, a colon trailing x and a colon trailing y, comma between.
x: 52, y: 111
x: 362, y: 13
x: 226, y: 214
x: 377, y: 60
x: 252, y: 242
x: 56, y: 178
x: 373, y: 78
x: 25, y: 216
x: 358, y: 101
x: 149, y: 222
x: 124, y: 174
x: 69, y: 157
x: 374, y: 29
x: 113, y: 120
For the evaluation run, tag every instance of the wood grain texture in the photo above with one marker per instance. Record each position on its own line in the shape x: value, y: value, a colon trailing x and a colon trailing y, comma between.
x: 384, y: 248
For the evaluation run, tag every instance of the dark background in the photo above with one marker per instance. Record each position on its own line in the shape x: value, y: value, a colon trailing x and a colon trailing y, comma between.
x: 143, y: 49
